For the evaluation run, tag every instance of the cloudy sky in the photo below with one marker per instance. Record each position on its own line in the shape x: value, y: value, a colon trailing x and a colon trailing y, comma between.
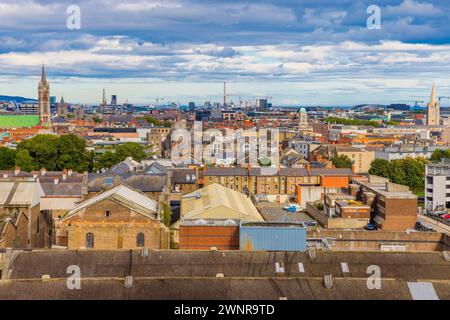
x: 297, y: 51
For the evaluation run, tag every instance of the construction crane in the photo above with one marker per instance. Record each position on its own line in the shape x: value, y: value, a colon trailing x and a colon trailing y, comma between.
x: 228, y: 95
x: 158, y: 99
x: 416, y: 103
x: 255, y: 99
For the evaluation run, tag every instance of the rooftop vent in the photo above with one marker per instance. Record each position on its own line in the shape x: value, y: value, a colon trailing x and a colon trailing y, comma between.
x: 312, y: 253
x: 446, y: 255
x: 144, y: 252
x: 344, y: 267
x: 328, y: 281
x: 128, y: 282
x: 279, y: 267
x: 45, y: 277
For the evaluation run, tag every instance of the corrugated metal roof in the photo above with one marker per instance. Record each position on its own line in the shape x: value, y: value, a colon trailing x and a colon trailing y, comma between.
x: 205, y: 204
x: 5, y: 190
x: 20, y: 193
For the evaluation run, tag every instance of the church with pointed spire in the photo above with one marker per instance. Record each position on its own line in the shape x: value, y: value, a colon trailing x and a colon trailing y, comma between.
x: 62, y: 109
x: 44, y: 99
x: 433, y: 109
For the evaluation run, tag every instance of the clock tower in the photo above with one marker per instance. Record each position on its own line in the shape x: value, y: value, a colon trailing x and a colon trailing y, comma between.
x: 44, y: 99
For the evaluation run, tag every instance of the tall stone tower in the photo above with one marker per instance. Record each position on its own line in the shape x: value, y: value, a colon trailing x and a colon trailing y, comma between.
x: 62, y: 109
x: 303, y: 118
x: 433, y: 109
x: 44, y: 98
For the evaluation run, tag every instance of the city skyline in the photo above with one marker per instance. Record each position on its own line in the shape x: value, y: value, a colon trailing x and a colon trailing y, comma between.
x: 303, y: 52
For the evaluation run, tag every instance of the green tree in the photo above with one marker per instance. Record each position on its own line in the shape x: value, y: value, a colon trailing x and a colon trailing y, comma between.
x: 342, y: 161
x: 97, y: 119
x: 105, y: 160
x: 408, y: 171
x: 24, y: 161
x: 130, y: 149
x: 440, y: 154
x: 7, y: 158
x: 72, y: 153
x: 352, y: 122
x: 415, y: 173
x: 166, y: 214
x: 43, y: 149
x: 153, y: 121
x: 380, y: 167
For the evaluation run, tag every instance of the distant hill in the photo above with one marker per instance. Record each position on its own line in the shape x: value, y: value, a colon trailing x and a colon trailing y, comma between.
x: 16, y: 99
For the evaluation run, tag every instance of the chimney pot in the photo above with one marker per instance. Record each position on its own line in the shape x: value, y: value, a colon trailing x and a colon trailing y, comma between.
x: 17, y: 171
x: 43, y: 171
x: 56, y: 180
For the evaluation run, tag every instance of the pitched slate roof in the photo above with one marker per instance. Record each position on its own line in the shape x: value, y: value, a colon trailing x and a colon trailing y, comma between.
x: 140, y: 181
x: 126, y: 196
x: 180, y: 176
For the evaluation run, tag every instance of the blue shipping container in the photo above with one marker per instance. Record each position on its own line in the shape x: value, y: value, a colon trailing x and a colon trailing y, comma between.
x: 270, y: 236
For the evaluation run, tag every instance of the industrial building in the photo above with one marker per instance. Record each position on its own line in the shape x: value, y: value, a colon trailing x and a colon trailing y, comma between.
x: 218, y: 202
x: 228, y: 275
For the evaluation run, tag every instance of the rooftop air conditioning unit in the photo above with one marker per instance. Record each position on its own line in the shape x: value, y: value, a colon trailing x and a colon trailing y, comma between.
x: 328, y: 281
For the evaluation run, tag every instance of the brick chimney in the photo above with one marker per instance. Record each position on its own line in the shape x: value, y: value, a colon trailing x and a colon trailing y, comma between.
x: 308, y: 167
x: 70, y: 172
x: 43, y: 171
x: 56, y: 181
x: 64, y: 175
x: 17, y: 171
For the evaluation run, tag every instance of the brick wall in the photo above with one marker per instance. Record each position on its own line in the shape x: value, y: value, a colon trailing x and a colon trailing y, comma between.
x: 205, y: 237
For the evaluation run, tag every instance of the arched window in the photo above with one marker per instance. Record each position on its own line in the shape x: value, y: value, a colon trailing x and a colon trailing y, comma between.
x: 89, y: 240
x: 140, y: 240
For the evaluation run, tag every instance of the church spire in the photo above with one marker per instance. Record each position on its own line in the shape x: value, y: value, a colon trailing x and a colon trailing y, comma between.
x: 433, y: 99
x: 43, y: 76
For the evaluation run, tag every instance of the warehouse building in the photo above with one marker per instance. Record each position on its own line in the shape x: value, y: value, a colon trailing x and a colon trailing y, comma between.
x: 226, y: 275
x: 118, y: 218
x: 210, y: 218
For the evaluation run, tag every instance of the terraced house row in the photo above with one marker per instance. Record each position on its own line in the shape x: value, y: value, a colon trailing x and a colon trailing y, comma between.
x: 280, y: 184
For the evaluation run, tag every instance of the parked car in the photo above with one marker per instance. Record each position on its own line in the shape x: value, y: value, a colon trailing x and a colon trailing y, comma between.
x: 310, y: 223
x: 370, y: 227
x: 446, y: 216
x: 420, y: 227
x: 293, y: 208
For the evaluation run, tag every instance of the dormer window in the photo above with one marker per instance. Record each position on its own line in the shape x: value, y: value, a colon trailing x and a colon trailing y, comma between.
x: 107, y: 214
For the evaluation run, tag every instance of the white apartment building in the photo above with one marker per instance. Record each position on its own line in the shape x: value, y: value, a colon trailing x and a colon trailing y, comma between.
x: 437, y: 185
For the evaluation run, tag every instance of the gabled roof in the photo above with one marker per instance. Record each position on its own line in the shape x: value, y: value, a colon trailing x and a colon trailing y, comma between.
x: 126, y: 196
x: 155, y: 168
x: 20, y: 193
x: 184, y: 176
x: 218, y: 202
x: 140, y: 181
